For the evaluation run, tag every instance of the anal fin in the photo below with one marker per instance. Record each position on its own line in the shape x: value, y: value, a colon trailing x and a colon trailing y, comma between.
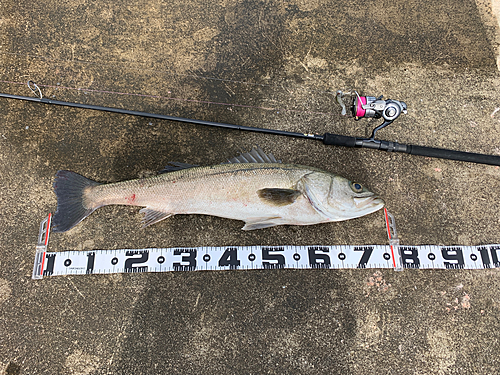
x: 262, y: 222
x: 152, y: 216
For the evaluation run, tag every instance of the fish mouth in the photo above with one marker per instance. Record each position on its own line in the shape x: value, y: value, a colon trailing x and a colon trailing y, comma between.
x: 372, y: 202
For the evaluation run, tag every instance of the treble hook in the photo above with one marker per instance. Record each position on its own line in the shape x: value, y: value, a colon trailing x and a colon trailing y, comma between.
x: 35, y: 89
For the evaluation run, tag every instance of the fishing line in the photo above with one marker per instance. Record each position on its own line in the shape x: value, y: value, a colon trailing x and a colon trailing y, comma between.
x: 159, y: 116
x: 159, y: 97
x: 194, y: 76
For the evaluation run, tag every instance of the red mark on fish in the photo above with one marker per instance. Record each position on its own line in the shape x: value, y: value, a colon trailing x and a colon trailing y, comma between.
x: 130, y: 199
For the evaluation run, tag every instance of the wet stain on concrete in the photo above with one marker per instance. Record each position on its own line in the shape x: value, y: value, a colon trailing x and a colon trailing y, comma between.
x: 210, y: 324
x: 12, y: 369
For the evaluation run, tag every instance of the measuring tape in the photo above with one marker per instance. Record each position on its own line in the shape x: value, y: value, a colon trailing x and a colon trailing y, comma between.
x: 393, y: 256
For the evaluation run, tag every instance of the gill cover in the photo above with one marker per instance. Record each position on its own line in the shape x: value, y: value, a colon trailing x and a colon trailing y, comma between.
x: 316, y: 187
x: 337, y: 198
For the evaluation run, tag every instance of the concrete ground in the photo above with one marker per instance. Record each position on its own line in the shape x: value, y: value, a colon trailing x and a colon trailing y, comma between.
x: 278, y: 64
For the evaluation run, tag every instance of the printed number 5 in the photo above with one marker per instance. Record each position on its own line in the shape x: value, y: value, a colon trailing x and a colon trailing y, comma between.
x: 279, y: 259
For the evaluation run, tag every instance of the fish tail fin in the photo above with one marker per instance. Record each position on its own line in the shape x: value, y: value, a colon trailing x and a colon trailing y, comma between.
x: 70, y: 188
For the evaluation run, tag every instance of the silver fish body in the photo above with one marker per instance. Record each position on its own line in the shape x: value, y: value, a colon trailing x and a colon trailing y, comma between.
x: 260, y: 194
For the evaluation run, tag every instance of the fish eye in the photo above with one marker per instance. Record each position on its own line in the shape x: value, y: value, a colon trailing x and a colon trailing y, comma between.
x: 356, y: 187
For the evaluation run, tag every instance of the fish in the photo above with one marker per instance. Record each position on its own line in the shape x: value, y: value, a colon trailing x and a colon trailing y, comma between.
x: 253, y: 187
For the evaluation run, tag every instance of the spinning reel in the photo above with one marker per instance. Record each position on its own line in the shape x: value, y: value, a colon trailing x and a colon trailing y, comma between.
x: 371, y: 107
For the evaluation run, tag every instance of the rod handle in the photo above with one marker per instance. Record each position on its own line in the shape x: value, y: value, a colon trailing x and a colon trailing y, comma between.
x: 441, y: 153
x: 453, y: 155
x: 339, y: 140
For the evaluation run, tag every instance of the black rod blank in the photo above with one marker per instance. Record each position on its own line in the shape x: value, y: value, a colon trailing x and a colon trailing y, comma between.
x: 327, y: 138
x: 160, y: 117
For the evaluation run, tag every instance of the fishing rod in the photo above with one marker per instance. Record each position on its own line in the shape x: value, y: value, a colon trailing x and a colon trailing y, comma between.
x: 359, y: 107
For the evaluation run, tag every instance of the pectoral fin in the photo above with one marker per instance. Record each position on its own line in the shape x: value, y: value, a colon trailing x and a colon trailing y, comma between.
x: 278, y: 197
x: 152, y: 216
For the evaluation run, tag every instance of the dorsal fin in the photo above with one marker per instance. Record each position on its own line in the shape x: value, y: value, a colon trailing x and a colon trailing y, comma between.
x: 256, y: 155
x: 176, y: 166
